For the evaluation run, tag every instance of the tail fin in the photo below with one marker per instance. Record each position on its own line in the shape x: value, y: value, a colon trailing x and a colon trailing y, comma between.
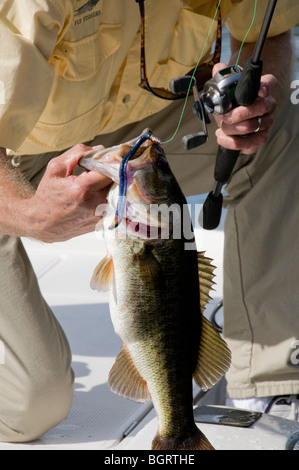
x: 196, y: 442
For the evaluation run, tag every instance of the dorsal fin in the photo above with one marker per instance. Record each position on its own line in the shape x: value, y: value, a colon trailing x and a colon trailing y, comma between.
x: 125, y: 380
x: 206, y: 276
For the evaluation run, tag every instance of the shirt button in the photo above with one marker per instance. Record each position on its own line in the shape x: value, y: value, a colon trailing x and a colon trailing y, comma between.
x: 126, y: 99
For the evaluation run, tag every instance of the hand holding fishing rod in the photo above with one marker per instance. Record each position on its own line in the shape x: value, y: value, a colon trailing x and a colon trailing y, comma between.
x: 247, y: 83
x: 228, y: 89
x: 227, y: 158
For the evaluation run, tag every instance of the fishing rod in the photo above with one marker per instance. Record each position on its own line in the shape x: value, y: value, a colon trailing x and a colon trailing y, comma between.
x: 232, y: 87
x: 245, y: 94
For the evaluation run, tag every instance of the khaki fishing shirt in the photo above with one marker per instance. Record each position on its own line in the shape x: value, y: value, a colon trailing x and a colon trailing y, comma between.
x: 69, y: 69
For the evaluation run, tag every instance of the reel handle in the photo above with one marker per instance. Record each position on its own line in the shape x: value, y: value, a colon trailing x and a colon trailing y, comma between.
x: 181, y: 84
x: 193, y: 141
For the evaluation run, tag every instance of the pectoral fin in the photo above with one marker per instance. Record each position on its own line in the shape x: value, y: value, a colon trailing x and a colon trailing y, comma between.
x: 103, y: 275
x: 149, y: 266
x: 125, y: 380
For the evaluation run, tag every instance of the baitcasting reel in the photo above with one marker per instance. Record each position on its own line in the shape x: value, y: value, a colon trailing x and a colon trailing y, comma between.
x: 217, y: 97
x: 231, y: 87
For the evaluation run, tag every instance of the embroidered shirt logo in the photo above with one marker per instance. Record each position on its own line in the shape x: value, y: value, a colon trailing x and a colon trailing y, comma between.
x: 88, y: 6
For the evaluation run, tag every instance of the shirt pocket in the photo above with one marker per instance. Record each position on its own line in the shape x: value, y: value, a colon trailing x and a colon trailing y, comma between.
x: 80, y: 60
x: 187, y: 44
x: 192, y: 33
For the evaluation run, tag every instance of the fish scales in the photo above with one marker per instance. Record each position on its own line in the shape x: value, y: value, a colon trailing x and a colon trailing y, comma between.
x: 157, y: 300
x: 152, y: 320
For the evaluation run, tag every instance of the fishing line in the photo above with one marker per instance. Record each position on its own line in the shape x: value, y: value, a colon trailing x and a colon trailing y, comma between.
x: 191, y: 81
x: 253, y: 19
x: 198, y: 62
x: 120, y: 210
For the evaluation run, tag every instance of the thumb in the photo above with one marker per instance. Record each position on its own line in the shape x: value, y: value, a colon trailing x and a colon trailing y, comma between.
x: 218, y: 67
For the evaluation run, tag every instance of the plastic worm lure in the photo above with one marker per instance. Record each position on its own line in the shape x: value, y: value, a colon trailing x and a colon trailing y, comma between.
x: 123, y: 180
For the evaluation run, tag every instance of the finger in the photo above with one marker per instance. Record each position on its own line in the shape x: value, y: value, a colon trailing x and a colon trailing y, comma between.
x: 98, y: 147
x: 247, y: 145
x: 259, y: 108
x: 249, y: 126
x: 218, y: 67
x: 97, y: 205
x: 268, y: 85
x: 91, y: 222
x: 93, y: 181
x: 64, y: 164
x: 89, y: 225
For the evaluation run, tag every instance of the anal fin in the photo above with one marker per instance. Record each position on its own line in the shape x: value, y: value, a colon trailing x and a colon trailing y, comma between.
x: 214, y: 357
x: 125, y: 380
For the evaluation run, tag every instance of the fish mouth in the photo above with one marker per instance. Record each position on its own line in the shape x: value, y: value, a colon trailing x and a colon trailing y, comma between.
x: 143, y: 231
x: 141, y: 222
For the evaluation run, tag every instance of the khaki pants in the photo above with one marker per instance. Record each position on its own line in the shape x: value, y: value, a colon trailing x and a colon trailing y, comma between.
x: 260, y: 278
x: 261, y: 259
x: 36, y: 377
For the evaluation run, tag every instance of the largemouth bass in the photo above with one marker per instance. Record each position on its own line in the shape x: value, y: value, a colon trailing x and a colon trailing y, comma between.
x: 159, y: 288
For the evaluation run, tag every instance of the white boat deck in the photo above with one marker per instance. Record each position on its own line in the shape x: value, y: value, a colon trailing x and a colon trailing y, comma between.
x: 100, y: 420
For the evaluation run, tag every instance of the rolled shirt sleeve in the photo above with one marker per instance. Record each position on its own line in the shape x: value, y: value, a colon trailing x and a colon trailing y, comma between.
x: 28, y: 34
x: 240, y: 16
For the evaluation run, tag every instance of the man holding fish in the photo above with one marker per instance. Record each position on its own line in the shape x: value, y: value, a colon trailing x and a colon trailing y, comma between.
x: 71, y: 73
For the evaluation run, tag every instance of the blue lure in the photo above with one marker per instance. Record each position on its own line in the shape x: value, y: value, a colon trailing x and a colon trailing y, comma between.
x: 123, y: 180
